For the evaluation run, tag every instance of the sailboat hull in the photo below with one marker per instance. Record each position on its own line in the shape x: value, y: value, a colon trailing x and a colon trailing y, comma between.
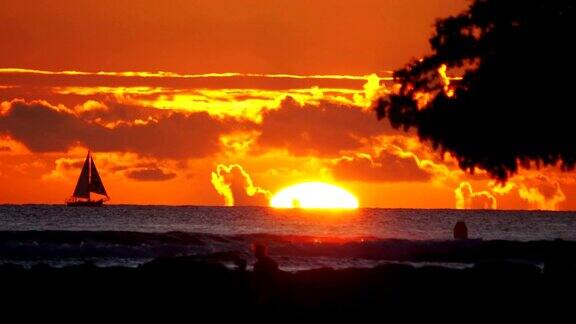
x: 85, y: 203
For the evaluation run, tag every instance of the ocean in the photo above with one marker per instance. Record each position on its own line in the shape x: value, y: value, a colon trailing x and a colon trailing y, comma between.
x: 130, y: 235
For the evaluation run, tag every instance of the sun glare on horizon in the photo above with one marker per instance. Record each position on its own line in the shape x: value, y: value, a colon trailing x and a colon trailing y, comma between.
x: 314, y: 195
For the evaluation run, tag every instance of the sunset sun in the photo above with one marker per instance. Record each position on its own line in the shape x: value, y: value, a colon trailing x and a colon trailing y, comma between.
x: 314, y: 195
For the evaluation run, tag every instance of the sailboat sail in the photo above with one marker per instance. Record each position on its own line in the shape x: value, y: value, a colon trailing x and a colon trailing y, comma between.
x: 96, y: 185
x: 82, y: 186
x: 89, y: 181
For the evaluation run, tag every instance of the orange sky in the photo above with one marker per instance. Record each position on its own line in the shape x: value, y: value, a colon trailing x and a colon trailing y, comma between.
x: 255, y: 96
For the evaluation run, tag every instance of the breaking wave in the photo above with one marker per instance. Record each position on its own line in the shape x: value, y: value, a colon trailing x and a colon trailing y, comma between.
x: 121, y: 248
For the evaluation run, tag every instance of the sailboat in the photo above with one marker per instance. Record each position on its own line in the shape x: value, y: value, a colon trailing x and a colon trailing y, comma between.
x: 89, y: 181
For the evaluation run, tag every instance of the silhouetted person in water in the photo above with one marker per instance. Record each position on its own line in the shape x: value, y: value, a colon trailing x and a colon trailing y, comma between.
x: 265, y: 274
x: 460, y: 231
x: 240, y: 264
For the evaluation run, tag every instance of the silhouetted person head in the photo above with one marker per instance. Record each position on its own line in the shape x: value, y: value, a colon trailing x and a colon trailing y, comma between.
x: 260, y: 250
x: 264, y: 264
x: 460, y: 231
x: 240, y: 264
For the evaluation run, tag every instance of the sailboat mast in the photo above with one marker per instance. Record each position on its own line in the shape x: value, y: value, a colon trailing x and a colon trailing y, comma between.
x: 89, y: 173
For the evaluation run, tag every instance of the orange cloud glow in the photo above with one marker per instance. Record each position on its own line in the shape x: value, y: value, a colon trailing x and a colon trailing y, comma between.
x: 467, y: 198
x: 235, y: 184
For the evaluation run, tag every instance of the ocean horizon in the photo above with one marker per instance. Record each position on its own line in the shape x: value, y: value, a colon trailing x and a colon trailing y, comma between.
x: 130, y: 235
x: 382, y: 223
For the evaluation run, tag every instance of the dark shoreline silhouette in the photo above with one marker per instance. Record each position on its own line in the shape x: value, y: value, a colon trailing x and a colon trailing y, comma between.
x: 173, y: 285
x: 505, y: 277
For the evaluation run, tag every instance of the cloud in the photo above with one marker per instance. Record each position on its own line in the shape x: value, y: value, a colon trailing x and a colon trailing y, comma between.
x: 118, y: 98
x: 409, y: 160
x: 237, y: 95
x: 173, y: 75
x: 373, y: 89
x: 42, y: 127
x: 466, y: 198
x: 448, y: 90
x: 536, y: 190
x: 385, y: 167
x: 150, y: 174
x: 541, y: 192
x: 111, y: 113
x: 65, y: 168
x: 323, y: 130
x: 502, y: 189
x: 239, y: 103
x: 90, y: 106
x: 234, y: 184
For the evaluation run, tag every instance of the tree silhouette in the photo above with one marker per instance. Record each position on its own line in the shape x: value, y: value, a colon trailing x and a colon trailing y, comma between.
x: 513, y: 104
